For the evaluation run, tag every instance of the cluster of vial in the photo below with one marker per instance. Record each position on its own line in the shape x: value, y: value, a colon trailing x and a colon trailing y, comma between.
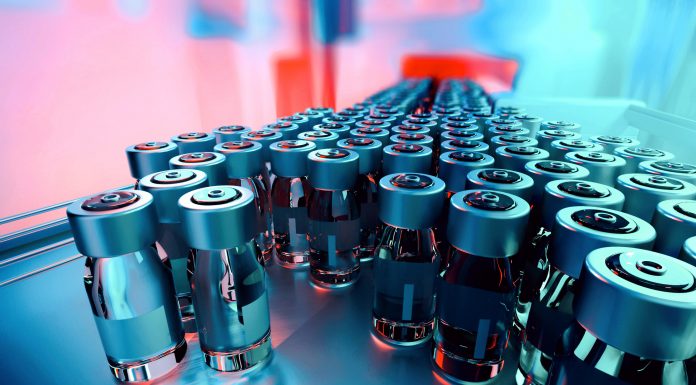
x: 490, y: 232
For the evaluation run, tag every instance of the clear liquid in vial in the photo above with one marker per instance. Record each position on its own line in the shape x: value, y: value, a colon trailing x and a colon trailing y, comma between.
x: 290, y: 222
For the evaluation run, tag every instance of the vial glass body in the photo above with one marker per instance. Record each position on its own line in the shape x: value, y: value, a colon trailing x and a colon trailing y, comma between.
x: 405, y: 266
x: 264, y: 223
x: 475, y: 303
x: 290, y: 224
x: 334, y: 237
x: 370, y: 225
x: 231, y: 303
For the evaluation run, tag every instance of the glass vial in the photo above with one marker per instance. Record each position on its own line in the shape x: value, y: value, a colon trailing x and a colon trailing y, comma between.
x: 577, y: 231
x: 289, y: 197
x: 245, y: 168
x: 130, y: 290
x: 407, y: 258
x: 633, y: 311
x: 334, y: 217
x: 166, y: 188
x: 477, y: 289
x: 228, y: 282
x: 370, y: 164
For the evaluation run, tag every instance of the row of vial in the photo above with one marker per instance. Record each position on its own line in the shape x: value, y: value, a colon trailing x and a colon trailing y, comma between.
x: 409, y: 269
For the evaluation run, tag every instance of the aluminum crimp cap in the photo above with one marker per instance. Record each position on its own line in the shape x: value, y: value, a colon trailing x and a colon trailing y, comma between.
x: 682, y: 171
x: 243, y: 158
x: 675, y: 221
x: 640, y: 302
x: 332, y: 169
x: 581, y: 229
x: 146, y: 158
x: 603, y: 167
x: 419, y: 139
x: 212, y: 163
x: 422, y: 122
x: 410, y: 129
x: 461, y: 135
x: 369, y: 152
x: 265, y: 137
x: 464, y: 145
x: 516, y: 157
x: 455, y: 165
x: 404, y: 157
x: 560, y: 147
x: 323, y: 139
x: 545, y: 137
x: 373, y: 123
x: 559, y: 194
x: 644, y: 191
x: 339, y: 129
x: 218, y: 217
x: 544, y: 171
x: 289, y: 157
x: 339, y: 119
x: 487, y: 223
x: 298, y: 120
x: 498, y: 179
x: 380, y: 134
x: 635, y: 155
x: 506, y: 130
x: 113, y: 223
x: 230, y: 133
x: 501, y: 121
x: 287, y: 128
x: 560, y: 125
x: 411, y: 200
x: 468, y: 125
x: 513, y: 140
x: 194, y: 142
x: 168, y: 186
x: 611, y: 142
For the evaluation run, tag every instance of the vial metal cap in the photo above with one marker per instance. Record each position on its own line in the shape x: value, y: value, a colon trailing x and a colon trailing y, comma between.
x: 243, y: 158
x: 544, y: 171
x: 410, y: 129
x: 333, y: 169
x: 339, y: 129
x: 506, y: 130
x: 581, y: 229
x: 229, y: 133
x: 323, y: 139
x: 323, y: 110
x: 560, y: 125
x: 513, y: 140
x: 501, y: 121
x: 339, y: 119
x: 265, y: 137
x: 635, y: 155
x: 194, y: 142
x: 420, y: 139
x: 651, y: 298
x: 289, y: 157
x: 369, y: 152
x: 460, y: 120
x: 675, y: 221
x: 516, y: 157
x: 218, y: 217
x: 168, y: 186
x: 545, y: 137
x: 372, y: 123
x: 562, y: 193
x: 287, y: 128
x: 113, y: 223
x: 612, y: 142
x: 212, y: 163
x: 498, y: 179
x: 404, y: 157
x: 461, y: 135
x: 464, y: 145
x: 371, y: 132
x: 644, y: 191
x: 560, y: 147
x: 682, y: 171
x: 146, y: 158
x: 603, y: 167
x: 487, y: 223
x: 423, y: 195
x: 455, y: 165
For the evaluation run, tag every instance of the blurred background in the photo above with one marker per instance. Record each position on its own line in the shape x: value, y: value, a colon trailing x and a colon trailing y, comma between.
x: 83, y: 79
